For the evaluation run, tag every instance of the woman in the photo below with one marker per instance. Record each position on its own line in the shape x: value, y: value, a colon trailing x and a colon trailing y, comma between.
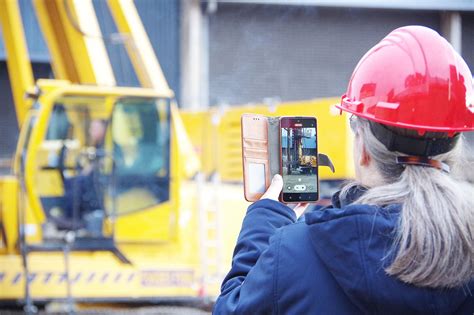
x: 400, y: 240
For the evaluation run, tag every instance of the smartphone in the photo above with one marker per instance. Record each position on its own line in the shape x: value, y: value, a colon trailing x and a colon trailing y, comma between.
x: 299, y: 159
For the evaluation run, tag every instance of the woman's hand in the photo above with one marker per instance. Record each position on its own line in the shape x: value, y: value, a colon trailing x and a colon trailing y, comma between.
x: 273, y: 192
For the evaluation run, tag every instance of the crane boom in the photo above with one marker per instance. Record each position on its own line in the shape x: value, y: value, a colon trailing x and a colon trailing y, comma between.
x: 138, y: 45
x: 75, y: 41
x: 18, y: 63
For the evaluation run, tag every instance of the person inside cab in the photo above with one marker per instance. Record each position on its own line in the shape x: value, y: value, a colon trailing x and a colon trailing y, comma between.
x: 400, y: 238
x: 84, y: 192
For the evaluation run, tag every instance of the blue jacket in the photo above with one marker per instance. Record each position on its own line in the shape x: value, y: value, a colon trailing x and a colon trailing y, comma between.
x: 330, y: 263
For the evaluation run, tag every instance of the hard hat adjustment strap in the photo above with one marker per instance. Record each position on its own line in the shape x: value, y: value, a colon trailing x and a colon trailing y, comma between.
x: 411, y: 145
x: 423, y: 161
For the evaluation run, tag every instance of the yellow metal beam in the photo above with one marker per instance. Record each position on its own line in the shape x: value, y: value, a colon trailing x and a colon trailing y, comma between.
x: 138, y: 45
x: 9, y: 214
x: 18, y: 63
x: 75, y: 42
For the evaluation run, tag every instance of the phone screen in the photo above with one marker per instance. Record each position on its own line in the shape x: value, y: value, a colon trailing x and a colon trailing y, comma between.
x: 299, y: 159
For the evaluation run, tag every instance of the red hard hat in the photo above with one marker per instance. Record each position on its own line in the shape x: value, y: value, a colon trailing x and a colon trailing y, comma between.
x: 413, y: 79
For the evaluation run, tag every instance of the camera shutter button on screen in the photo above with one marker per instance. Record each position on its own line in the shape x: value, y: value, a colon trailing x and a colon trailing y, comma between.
x: 300, y: 187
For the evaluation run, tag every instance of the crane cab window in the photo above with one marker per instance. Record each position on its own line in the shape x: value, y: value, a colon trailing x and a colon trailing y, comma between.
x: 141, y: 149
x: 69, y: 180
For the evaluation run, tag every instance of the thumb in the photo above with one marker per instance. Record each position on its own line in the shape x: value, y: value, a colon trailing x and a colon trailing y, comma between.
x: 273, y: 192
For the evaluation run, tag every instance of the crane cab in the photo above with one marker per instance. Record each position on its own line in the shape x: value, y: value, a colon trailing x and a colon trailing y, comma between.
x: 96, y: 156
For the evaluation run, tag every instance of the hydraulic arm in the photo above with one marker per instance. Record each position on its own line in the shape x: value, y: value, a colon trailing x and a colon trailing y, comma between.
x: 19, y: 67
x: 75, y: 42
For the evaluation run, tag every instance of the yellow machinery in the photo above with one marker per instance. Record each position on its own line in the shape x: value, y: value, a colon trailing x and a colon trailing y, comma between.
x: 152, y: 235
x: 140, y: 241
x: 141, y: 248
x: 308, y: 160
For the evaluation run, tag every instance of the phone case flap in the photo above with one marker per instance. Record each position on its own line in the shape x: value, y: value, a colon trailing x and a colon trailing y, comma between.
x: 255, y: 156
x: 274, y: 145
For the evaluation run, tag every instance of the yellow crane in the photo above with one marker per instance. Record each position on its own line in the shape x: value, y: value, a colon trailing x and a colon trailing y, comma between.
x: 141, y: 242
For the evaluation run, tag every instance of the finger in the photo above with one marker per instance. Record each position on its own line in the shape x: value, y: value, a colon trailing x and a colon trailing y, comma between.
x: 300, y: 208
x: 273, y: 192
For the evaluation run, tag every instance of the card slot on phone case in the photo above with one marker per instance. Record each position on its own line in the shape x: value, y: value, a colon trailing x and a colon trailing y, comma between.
x: 257, y: 154
x: 255, y: 143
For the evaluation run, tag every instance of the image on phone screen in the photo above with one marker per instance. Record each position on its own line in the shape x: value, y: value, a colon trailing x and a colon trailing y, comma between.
x: 299, y: 159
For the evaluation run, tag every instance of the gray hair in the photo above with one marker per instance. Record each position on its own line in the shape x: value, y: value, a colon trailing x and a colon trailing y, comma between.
x: 434, y: 240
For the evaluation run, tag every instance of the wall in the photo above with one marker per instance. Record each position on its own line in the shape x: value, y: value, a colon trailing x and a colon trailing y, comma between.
x: 294, y: 53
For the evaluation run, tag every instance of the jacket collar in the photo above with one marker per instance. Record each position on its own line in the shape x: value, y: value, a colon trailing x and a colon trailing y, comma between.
x: 354, y: 193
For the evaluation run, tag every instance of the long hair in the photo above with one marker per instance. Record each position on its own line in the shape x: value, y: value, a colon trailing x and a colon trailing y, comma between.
x: 434, y: 239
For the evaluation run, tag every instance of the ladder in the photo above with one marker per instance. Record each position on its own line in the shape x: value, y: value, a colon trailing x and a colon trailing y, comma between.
x: 210, y: 231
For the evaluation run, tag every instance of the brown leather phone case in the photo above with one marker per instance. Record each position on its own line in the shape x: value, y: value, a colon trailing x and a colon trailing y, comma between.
x: 255, y: 156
